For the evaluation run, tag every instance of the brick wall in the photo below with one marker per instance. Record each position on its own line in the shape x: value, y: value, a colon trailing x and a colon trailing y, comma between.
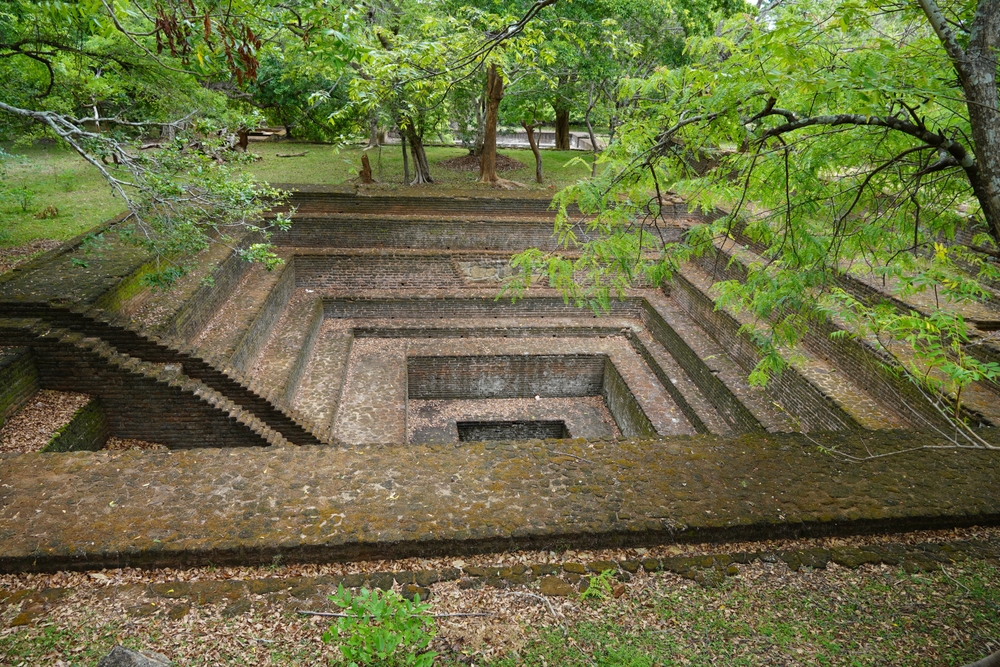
x: 305, y: 352
x: 140, y: 401
x: 18, y: 380
x: 358, y: 272
x: 628, y: 414
x: 350, y: 232
x: 868, y: 368
x: 484, y: 307
x: 504, y: 376
x: 87, y: 430
x: 799, y: 398
x: 209, y: 297
x: 689, y: 412
x: 725, y: 402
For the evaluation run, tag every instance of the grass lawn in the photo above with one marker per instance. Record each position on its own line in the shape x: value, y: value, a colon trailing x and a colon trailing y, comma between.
x: 332, y: 166
x: 57, y: 178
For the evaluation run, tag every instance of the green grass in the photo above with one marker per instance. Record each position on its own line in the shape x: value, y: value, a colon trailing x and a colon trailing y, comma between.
x: 58, y: 178
x: 62, y: 179
x: 872, y: 616
x: 890, y: 619
x: 331, y: 166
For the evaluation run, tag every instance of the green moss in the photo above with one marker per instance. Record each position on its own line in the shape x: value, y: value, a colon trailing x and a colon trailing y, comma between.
x: 86, y: 431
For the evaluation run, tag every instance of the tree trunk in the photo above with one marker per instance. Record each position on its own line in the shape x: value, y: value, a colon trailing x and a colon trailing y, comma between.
x: 366, y: 170
x: 980, y: 84
x: 477, y: 146
x: 530, y: 129
x: 421, y: 170
x: 406, y: 160
x: 976, y: 66
x: 373, y: 138
x: 591, y: 102
x: 488, y: 160
x: 992, y: 660
x: 562, y: 129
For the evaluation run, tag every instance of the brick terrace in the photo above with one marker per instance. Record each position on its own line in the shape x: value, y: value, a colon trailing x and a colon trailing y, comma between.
x: 382, y: 329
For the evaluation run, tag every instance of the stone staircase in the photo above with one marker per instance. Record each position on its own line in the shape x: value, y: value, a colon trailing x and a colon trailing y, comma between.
x: 885, y: 395
x: 276, y: 344
x: 143, y: 400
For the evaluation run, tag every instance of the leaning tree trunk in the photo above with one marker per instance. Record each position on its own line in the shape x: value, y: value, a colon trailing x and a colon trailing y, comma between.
x: 562, y: 128
x: 488, y: 160
x: 421, y: 170
x: 530, y: 129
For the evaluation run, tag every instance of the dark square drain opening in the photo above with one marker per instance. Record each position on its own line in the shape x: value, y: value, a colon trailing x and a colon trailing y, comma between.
x: 514, y: 430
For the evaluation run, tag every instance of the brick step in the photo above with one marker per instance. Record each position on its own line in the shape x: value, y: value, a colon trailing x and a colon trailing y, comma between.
x: 837, y: 404
x: 869, y: 287
x: 156, y: 310
x: 321, y: 385
x: 148, y: 401
x: 283, y: 361
x: 409, y: 204
x: 982, y: 317
x: 507, y: 235
x: 18, y: 380
x: 137, y: 344
x: 233, y: 337
x: 373, y: 391
x: 718, y: 377
x: 698, y: 409
x: 870, y: 367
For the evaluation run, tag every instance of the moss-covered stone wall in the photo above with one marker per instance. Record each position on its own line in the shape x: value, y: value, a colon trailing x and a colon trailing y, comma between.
x: 87, y: 431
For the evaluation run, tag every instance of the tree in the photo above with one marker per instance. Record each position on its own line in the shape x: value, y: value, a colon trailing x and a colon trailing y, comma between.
x: 106, y: 76
x: 846, y: 138
x: 488, y: 159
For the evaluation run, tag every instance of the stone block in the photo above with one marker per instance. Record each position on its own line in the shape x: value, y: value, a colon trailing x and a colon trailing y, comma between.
x: 125, y: 657
x: 555, y: 586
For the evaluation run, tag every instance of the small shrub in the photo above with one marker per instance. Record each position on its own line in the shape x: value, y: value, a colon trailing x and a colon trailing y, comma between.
x: 23, y: 197
x: 382, y: 628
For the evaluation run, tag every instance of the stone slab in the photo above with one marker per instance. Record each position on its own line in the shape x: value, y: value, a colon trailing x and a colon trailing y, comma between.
x: 97, y: 509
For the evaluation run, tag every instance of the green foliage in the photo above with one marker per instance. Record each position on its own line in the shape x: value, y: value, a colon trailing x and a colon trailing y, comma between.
x: 746, y: 127
x: 23, y: 196
x: 382, y: 628
x: 599, y: 587
x: 106, y: 77
x: 932, y: 347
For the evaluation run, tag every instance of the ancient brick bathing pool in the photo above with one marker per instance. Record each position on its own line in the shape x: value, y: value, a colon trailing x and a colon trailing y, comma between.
x: 371, y: 396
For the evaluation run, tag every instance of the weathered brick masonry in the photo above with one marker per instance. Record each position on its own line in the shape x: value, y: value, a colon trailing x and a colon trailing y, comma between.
x: 311, y: 503
x: 388, y: 303
x: 18, y: 380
